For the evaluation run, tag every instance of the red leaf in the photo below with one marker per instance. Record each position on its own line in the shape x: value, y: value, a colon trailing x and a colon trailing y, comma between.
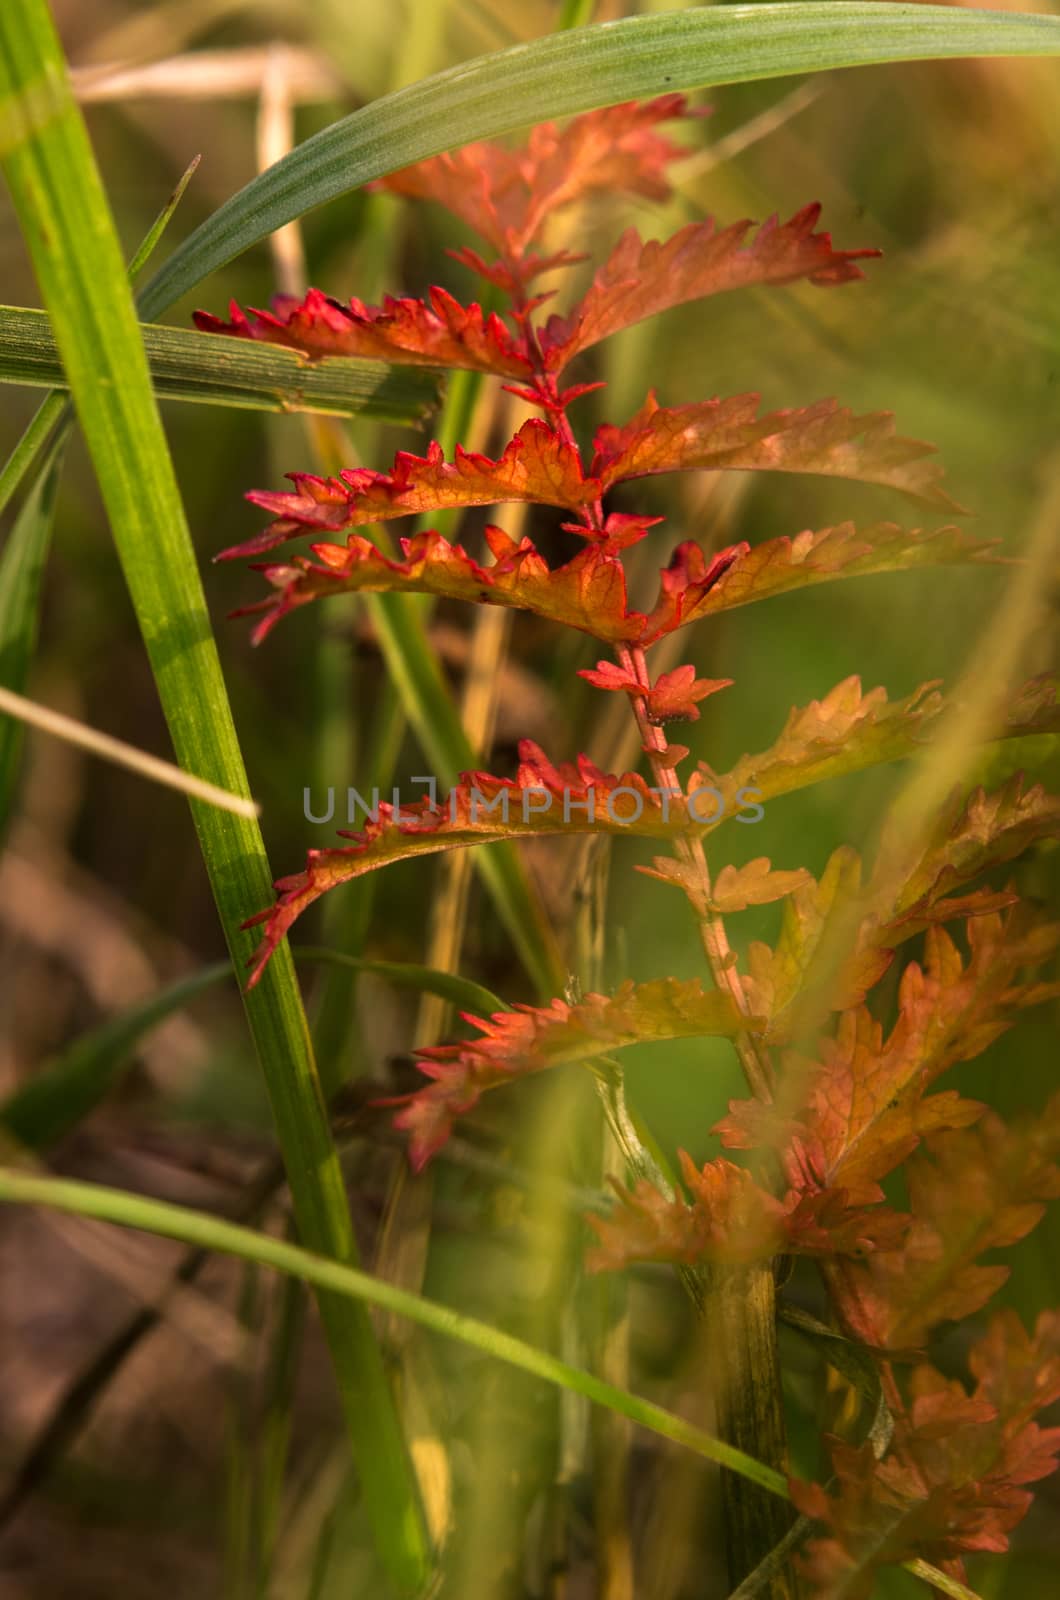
x: 441, y: 334
x: 673, y: 697
x: 639, y: 280
x: 512, y: 279
x: 541, y: 799
x: 717, y: 434
x: 588, y: 593
x: 532, y: 1039
x: 507, y: 194
x: 880, y: 1515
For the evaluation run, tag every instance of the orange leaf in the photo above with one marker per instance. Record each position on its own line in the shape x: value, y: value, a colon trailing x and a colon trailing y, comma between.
x: 734, y: 888
x: 537, y: 465
x: 970, y: 1190
x: 824, y: 438
x: 732, y: 1220
x: 540, y: 799
x: 778, y: 566
x: 868, y: 1106
x: 532, y: 1039
x: 639, y: 280
x: 953, y: 1479
x: 588, y: 593
x: 506, y: 194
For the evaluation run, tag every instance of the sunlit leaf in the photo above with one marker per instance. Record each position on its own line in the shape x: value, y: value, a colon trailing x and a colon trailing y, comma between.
x: 531, y: 1039
x: 639, y: 280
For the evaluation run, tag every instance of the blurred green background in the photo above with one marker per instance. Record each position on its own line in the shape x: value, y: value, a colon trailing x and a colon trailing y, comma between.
x: 952, y: 170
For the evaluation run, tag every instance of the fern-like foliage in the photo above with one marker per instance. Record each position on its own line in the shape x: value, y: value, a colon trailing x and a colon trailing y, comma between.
x: 839, y: 1099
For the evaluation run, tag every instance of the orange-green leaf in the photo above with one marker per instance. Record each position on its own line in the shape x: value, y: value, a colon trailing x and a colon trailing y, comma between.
x: 849, y: 730
x: 507, y: 193
x: 734, y: 888
x: 777, y: 566
x: 531, y: 1039
x: 815, y: 910
x: 639, y: 280
x: 867, y: 1106
x: 846, y: 730
x: 970, y: 1190
x: 542, y: 798
x: 732, y: 1220
x: 443, y: 333
x: 953, y: 1481
x: 970, y: 836
x: 838, y: 936
x: 824, y: 438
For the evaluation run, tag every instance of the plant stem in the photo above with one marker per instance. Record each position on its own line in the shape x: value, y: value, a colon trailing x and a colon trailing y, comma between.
x: 739, y: 1304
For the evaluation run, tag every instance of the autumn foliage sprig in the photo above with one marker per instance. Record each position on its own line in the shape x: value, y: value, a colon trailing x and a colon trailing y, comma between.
x: 948, y: 1474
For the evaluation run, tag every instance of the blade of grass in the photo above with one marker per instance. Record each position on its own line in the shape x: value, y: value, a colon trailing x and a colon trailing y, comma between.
x: 576, y: 70
x: 186, y: 365
x: 28, y: 450
x: 199, y: 1228
x: 47, y: 1106
x: 21, y: 576
x: 576, y: 13
x: 146, y: 247
x: 63, y: 210
x: 17, y: 707
x: 460, y: 992
x: 278, y: 1407
x: 55, y: 409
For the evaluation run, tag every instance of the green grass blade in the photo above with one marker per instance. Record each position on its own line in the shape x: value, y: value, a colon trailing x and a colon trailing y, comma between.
x: 460, y: 992
x: 66, y: 220
x: 199, y: 1228
x: 29, y: 447
x: 186, y: 365
x: 55, y: 1099
x: 576, y: 13
x: 65, y: 1090
x: 21, y: 576
x: 576, y: 70
x: 154, y: 233
x: 55, y: 410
